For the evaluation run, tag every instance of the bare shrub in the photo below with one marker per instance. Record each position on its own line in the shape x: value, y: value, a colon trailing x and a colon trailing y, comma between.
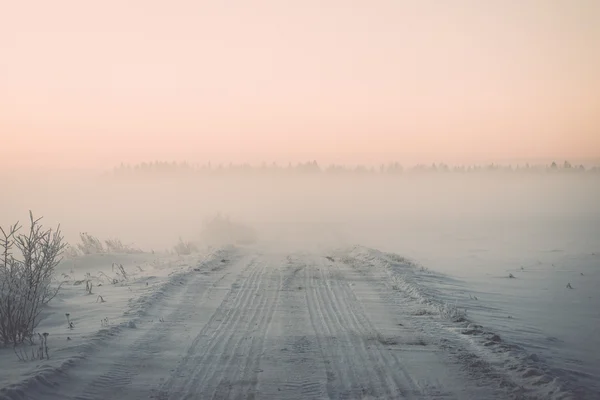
x: 26, y: 281
x: 453, y: 313
x: 90, y: 244
x: 116, y: 246
x: 184, y: 248
x: 23, y: 356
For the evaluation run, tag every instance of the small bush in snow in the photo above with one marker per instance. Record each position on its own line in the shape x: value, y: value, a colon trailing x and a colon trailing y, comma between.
x: 42, y: 350
x: 90, y: 244
x: 453, y: 313
x: 185, y: 248
x: 116, y: 246
x: 26, y: 278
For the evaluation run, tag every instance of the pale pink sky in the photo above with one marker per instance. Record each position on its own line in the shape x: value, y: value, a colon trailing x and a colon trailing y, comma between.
x: 94, y: 83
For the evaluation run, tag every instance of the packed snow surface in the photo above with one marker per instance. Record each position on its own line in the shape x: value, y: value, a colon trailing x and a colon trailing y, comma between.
x: 251, y: 322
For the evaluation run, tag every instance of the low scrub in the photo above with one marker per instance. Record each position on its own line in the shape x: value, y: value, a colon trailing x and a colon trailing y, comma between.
x: 27, y: 266
x: 90, y: 244
x: 453, y: 313
x: 185, y: 248
x: 118, y: 247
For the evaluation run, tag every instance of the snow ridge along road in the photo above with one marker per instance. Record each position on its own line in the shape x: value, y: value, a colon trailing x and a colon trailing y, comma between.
x: 255, y: 324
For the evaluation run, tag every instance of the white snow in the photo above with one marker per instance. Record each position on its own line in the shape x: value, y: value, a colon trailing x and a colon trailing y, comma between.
x: 421, y: 307
x: 97, y: 317
x: 259, y: 324
x: 535, y: 311
x: 350, y: 323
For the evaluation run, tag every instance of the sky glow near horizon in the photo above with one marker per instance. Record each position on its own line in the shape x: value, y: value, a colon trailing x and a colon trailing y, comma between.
x: 92, y: 84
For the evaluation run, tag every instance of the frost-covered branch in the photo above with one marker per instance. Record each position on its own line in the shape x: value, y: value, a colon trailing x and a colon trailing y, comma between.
x: 26, y: 282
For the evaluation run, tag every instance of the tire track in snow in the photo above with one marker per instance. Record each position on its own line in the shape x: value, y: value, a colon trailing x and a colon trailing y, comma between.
x: 242, y: 382
x: 259, y: 339
x: 374, y: 382
x: 355, y: 350
x: 293, y: 366
x: 217, y: 350
x: 337, y: 376
x: 231, y: 343
x: 483, y: 375
x: 208, y: 362
x: 390, y: 371
x: 363, y: 382
x: 305, y: 386
x: 353, y: 371
x: 109, y: 370
x: 187, y: 368
x: 368, y: 377
x: 313, y: 326
x: 121, y: 373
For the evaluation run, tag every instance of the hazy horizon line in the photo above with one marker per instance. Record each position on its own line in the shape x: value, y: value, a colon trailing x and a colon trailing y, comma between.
x: 153, y: 168
x: 516, y: 162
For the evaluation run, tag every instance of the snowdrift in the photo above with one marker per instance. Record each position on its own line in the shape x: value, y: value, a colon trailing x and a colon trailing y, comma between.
x: 482, y: 352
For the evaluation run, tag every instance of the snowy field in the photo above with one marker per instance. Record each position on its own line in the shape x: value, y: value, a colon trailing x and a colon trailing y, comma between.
x: 247, y: 322
x: 355, y: 290
x: 253, y: 322
x: 116, y: 303
x: 535, y: 311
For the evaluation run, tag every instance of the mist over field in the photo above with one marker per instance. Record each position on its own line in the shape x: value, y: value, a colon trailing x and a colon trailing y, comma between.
x: 400, y: 211
x: 446, y: 239
x: 300, y: 200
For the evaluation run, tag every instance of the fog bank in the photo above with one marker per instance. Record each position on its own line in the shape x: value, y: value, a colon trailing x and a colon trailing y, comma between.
x: 299, y: 210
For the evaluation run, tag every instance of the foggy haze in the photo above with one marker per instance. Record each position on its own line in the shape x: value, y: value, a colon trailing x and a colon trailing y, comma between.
x: 277, y: 250
x: 403, y: 212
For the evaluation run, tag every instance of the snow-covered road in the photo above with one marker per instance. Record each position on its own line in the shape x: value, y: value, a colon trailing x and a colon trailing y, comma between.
x: 254, y: 324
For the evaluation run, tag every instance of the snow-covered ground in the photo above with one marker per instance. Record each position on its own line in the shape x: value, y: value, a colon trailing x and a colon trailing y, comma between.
x: 516, y: 344
x: 535, y: 311
x: 261, y: 323
x: 117, y: 303
x: 334, y: 329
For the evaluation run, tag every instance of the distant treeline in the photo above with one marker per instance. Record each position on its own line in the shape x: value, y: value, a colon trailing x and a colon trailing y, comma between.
x: 158, y: 168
